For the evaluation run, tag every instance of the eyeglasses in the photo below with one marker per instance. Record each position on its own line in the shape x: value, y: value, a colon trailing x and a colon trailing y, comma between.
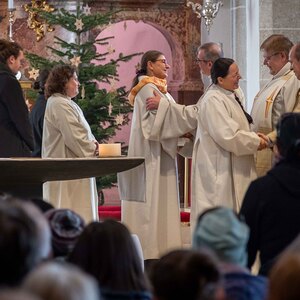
x: 198, y: 60
x: 267, y: 58
x: 163, y: 60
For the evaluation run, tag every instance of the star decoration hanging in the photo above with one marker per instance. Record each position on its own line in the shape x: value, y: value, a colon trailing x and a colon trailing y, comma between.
x: 34, y: 73
x: 110, y: 49
x: 110, y: 108
x: 78, y: 24
x: 119, y: 119
x: 87, y: 10
x: 75, y: 61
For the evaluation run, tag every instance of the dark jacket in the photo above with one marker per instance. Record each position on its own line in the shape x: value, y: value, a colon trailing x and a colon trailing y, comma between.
x: 16, y: 138
x: 37, y: 121
x: 272, y: 211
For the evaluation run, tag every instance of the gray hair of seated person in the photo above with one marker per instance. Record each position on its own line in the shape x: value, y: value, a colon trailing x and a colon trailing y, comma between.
x: 61, y: 281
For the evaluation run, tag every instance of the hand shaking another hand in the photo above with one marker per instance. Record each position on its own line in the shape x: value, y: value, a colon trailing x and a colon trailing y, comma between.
x: 264, y: 141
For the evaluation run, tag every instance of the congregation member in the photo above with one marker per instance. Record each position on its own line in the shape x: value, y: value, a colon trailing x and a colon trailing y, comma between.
x: 25, y: 240
x: 57, y: 281
x: 16, y: 137
x: 271, y: 205
x: 107, y: 251
x: 220, y: 230
x: 66, y: 134
x: 186, y: 274
x: 223, y: 153
x: 276, y: 97
x: 284, y: 278
x: 38, y: 112
x: 66, y: 227
x: 149, y: 192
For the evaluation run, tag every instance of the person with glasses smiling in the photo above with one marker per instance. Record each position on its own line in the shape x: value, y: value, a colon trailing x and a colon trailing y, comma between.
x: 276, y: 97
x: 149, y: 192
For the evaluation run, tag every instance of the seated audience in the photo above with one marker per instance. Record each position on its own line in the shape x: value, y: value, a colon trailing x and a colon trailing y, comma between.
x: 107, y: 251
x: 54, y: 281
x: 271, y: 206
x: 284, y: 278
x: 25, y: 239
x: 220, y: 230
x: 16, y: 294
x: 66, y: 227
x: 186, y: 274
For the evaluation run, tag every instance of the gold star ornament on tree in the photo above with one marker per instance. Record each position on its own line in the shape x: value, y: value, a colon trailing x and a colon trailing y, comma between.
x: 119, y: 119
x: 75, y: 61
x: 34, y: 73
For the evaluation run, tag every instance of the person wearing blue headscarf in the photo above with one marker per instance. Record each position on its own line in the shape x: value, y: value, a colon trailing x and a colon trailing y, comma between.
x: 220, y: 230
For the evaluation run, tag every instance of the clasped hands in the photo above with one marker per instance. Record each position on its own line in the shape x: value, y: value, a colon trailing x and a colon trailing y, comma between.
x: 264, y: 141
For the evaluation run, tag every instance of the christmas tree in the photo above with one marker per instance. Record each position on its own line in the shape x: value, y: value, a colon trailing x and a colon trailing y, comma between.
x: 105, y: 111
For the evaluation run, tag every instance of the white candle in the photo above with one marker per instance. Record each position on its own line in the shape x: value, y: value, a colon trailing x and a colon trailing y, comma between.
x: 11, y: 4
x: 106, y: 150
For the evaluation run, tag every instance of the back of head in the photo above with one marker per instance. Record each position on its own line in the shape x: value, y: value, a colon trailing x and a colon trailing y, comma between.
x: 220, y: 230
x: 220, y: 68
x: 284, y: 278
x: 185, y: 274
x: 17, y: 294
x: 106, y: 250
x: 7, y: 49
x: 288, y: 136
x: 66, y: 227
x: 54, y: 281
x: 24, y: 239
x: 39, y: 84
x: 277, y: 43
x: 212, y: 51
x: 58, y: 78
x: 297, y: 51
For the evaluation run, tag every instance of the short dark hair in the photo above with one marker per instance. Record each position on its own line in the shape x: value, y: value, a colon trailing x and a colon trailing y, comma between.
x: 288, y: 136
x: 58, y: 78
x: 7, y: 49
x: 220, y: 68
x: 19, y: 242
x: 185, y: 274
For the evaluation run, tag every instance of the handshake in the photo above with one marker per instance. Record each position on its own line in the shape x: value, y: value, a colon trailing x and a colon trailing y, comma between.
x: 265, y: 141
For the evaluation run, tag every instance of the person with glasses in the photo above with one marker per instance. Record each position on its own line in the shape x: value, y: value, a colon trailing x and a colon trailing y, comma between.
x: 223, y: 154
x: 16, y: 136
x: 149, y: 192
x: 276, y: 97
x: 271, y: 206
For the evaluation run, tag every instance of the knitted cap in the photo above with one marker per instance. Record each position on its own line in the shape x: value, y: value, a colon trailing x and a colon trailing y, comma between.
x: 66, y: 226
x: 220, y: 230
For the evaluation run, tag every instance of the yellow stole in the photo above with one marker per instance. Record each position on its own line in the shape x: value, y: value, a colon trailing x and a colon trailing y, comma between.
x: 161, y: 84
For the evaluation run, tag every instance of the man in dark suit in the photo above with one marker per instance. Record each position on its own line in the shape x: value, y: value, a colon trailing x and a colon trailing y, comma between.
x: 16, y: 138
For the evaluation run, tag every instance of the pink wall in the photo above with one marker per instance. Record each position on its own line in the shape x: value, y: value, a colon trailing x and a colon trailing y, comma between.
x: 130, y: 37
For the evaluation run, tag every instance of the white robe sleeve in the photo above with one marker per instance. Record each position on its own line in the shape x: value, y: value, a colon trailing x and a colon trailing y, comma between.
x: 224, y: 130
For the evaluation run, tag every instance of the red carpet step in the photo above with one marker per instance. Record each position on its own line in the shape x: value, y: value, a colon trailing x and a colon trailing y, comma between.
x: 114, y: 212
